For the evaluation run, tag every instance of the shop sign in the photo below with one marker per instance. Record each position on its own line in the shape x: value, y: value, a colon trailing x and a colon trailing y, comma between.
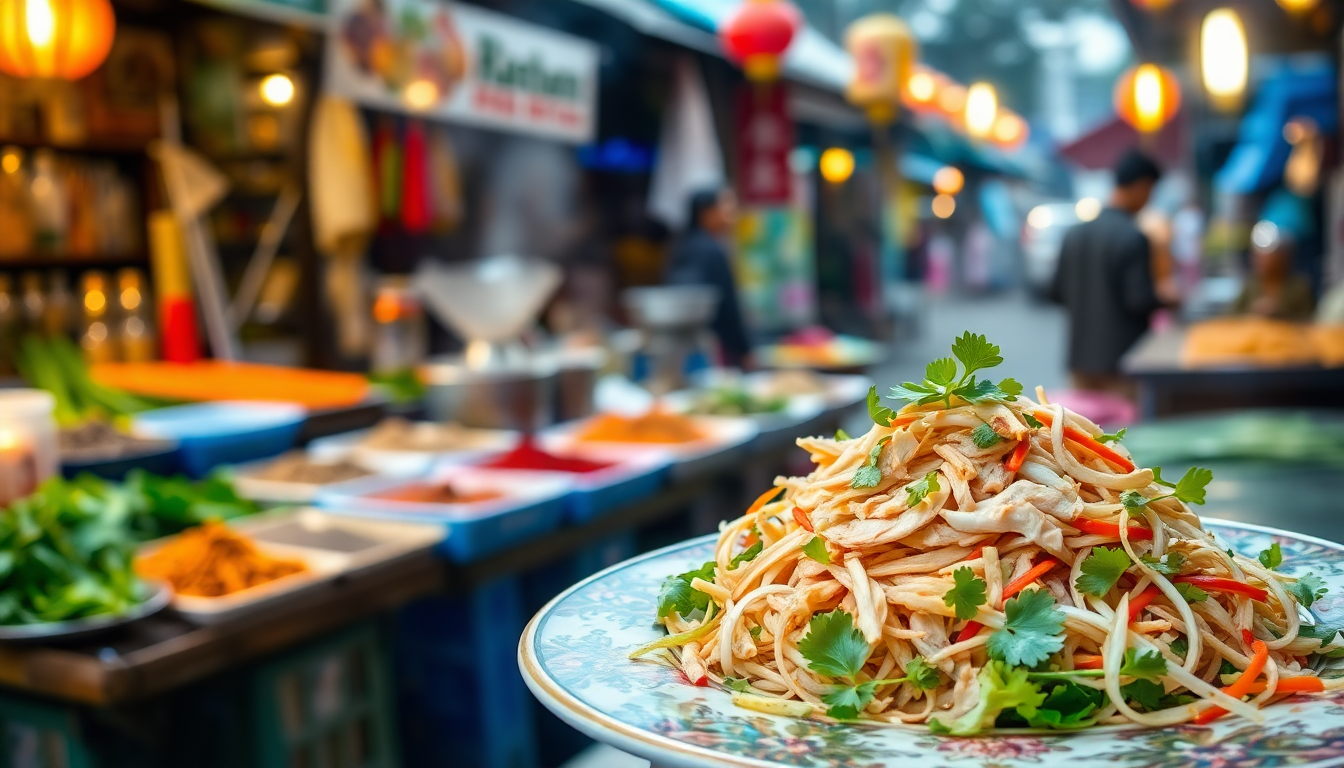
x: 463, y: 64
x: 764, y: 141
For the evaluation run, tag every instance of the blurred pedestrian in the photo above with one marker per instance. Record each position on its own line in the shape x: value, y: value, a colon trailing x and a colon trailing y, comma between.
x: 1274, y: 289
x: 700, y: 258
x: 1105, y: 280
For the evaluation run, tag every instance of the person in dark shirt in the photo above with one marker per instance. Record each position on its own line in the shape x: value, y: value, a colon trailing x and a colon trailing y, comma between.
x: 1105, y: 280
x: 699, y: 258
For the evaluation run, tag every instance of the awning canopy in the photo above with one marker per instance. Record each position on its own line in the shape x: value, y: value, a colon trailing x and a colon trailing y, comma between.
x: 1289, y: 90
x: 1101, y: 147
x: 811, y: 59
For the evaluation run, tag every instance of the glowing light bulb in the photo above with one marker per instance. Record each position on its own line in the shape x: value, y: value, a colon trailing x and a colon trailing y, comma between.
x: 982, y: 107
x: 836, y: 165
x: 277, y: 90
x: 1223, y: 56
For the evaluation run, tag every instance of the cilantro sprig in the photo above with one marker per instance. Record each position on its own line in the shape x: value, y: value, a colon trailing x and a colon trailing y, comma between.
x: 1191, y: 593
x: 967, y: 594
x: 1190, y: 489
x: 835, y: 648
x: 1273, y: 557
x: 1307, y: 589
x: 746, y: 555
x: 1139, y: 665
x: 816, y: 549
x: 870, y: 475
x: 678, y: 596
x: 1168, y: 565
x: 1112, y: 437
x: 880, y: 414
x: 1032, y: 630
x: 1102, y: 569
x: 918, y: 491
x: 945, y: 380
x: 984, y: 436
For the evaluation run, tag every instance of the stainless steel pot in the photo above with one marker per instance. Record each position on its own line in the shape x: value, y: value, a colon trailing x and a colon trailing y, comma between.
x: 520, y: 396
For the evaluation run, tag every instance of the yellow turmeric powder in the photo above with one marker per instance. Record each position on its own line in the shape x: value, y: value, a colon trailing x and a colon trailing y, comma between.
x: 211, y: 560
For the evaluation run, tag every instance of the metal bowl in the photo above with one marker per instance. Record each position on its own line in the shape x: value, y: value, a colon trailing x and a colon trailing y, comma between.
x: 671, y: 306
x: 93, y: 625
x: 519, y: 397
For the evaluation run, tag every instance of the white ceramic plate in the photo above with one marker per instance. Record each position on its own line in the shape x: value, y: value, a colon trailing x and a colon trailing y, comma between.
x: 573, y: 656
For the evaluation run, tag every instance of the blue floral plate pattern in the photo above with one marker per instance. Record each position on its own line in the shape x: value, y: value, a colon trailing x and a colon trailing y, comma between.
x: 573, y: 656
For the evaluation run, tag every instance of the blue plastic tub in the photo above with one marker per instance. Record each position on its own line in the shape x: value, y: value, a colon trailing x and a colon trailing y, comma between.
x: 594, y: 494
x: 213, y: 434
x: 163, y: 461
x: 524, y: 512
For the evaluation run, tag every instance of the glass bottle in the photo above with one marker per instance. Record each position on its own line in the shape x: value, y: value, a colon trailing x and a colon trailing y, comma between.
x: 56, y: 318
x: 135, y: 335
x: 51, y: 212
x: 16, y: 205
x: 9, y: 326
x: 97, y: 340
x: 34, y: 312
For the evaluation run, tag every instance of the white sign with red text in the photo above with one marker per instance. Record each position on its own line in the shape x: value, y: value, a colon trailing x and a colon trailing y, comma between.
x: 463, y: 64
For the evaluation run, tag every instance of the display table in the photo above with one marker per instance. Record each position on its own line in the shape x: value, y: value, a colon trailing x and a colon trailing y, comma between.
x: 1168, y: 387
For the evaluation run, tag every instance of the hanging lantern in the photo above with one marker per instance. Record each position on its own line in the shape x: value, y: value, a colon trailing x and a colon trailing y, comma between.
x: 1223, y: 58
x: 921, y: 90
x: 884, y: 58
x: 1010, y: 131
x: 64, y: 39
x: 1147, y: 97
x: 982, y: 109
x: 758, y: 34
x: 1153, y: 5
x: 1298, y: 6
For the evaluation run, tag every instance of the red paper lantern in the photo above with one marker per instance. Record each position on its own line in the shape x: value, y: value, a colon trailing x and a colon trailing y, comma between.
x: 1147, y: 97
x: 758, y: 34
x: 64, y: 39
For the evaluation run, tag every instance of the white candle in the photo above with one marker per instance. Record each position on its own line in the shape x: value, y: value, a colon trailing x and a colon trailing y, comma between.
x: 18, y: 466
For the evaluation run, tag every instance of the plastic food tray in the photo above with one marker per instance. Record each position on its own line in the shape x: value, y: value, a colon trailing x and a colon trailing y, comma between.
x: 406, y: 463
x: 727, y: 439
x: 330, y: 546
x: 213, y: 434
x: 594, y: 494
x: 281, y: 491
x: 522, y: 513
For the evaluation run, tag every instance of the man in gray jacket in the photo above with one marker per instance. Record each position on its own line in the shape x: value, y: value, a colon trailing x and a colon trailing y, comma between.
x: 1105, y: 280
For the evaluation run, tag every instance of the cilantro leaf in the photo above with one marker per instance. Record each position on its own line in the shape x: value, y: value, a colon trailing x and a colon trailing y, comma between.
x: 867, y: 476
x: 832, y: 646
x: 967, y: 595
x: 881, y: 414
x: 1180, y: 646
x: 942, y: 371
x: 1273, y: 557
x: 746, y: 555
x: 1134, y: 501
x: 841, y: 434
x: 1322, y: 631
x: 1032, y: 630
x: 1190, y: 488
x: 756, y: 632
x: 1191, y: 593
x: 870, y: 475
x: 1067, y: 706
x: 921, y: 674
x: 984, y: 436
x: 1145, y: 693
x: 737, y: 684
x: 1307, y: 589
x: 918, y: 491
x: 1032, y: 421
x: 1169, y: 565
x: 1112, y: 437
x: 915, y: 393
x: 1146, y: 665
x: 846, y: 703
x: 975, y: 352
x: 677, y: 595
x: 1102, y: 569
x: 981, y: 391
x: 1001, y: 687
x: 816, y: 549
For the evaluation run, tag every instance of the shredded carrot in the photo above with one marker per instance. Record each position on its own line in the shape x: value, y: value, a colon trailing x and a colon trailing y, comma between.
x: 1141, y: 601
x: 1088, y: 443
x: 1304, y: 684
x: 1087, y: 661
x: 1103, y: 528
x: 801, y: 517
x: 1242, y: 685
x: 762, y: 500
x: 1018, y: 457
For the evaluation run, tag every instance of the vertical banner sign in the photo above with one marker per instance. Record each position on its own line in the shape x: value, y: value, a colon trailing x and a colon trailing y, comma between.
x: 463, y: 64
x: 764, y: 141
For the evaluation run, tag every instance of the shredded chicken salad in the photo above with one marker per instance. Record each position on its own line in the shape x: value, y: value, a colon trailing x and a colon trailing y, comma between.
x: 980, y: 559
